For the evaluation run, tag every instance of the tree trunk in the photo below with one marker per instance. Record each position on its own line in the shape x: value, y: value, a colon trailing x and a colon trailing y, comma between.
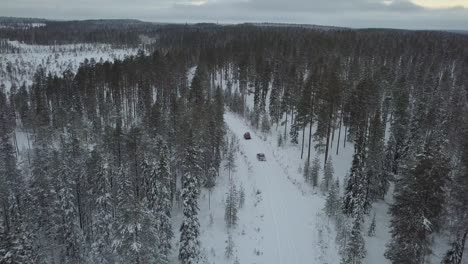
x: 16, y: 145
x: 339, y: 134
x: 328, y: 136
x: 285, y: 126
x: 344, y: 136
x: 303, y: 136
x: 310, y: 138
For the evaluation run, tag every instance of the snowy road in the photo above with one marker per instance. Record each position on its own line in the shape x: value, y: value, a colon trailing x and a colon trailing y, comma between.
x: 289, y: 217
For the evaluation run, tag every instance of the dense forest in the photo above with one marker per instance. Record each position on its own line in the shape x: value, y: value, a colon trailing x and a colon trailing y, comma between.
x: 114, y: 146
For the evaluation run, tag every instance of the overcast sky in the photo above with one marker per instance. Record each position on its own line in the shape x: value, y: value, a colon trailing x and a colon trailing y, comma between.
x: 410, y: 14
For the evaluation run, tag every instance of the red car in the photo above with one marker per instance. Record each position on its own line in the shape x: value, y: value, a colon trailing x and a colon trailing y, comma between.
x: 247, y: 135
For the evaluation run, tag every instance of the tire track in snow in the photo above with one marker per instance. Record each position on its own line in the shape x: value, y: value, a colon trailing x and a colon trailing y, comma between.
x: 290, y: 213
x: 275, y: 220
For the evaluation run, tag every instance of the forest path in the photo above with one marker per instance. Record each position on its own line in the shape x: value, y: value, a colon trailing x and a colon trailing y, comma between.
x: 290, y: 217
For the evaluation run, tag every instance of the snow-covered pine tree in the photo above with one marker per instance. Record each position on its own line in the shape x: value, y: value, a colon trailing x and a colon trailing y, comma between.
x: 16, y: 246
x: 265, y: 123
x: 354, y: 251
x: 230, y: 164
x: 455, y: 254
x: 164, y: 207
x: 328, y: 173
x: 230, y: 214
x: 189, y: 250
x: 306, y: 172
x: 294, y: 133
x: 314, y: 172
x: 65, y: 217
x: 371, y: 231
x: 399, y: 129
x: 210, y: 183
x: 355, y: 200
x: 280, y: 140
x: 42, y: 199
x: 136, y: 236
x: 241, y: 196
x: 332, y: 203
x: 103, y: 228
x: 378, y: 182
x: 419, y: 198
x: 15, y: 237
x: 229, y: 250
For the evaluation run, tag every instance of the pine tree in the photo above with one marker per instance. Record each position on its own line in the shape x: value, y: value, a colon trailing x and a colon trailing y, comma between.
x: 230, y: 164
x: 294, y: 132
x: 265, y: 124
x: 16, y: 245
x: 355, y: 200
x: 229, y: 251
x: 103, y: 227
x: 332, y: 203
x: 241, y: 196
x: 230, y: 214
x: 328, y: 172
x: 136, y: 236
x: 378, y: 182
x: 455, y: 254
x: 280, y: 140
x: 419, y: 198
x: 306, y: 172
x: 189, y: 251
x: 354, y: 251
x: 164, y: 209
x: 314, y: 172
x: 371, y: 231
x: 66, y: 223
x: 399, y: 128
x: 40, y: 192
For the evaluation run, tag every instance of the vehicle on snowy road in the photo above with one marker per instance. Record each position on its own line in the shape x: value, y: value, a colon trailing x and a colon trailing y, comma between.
x: 247, y: 135
x: 261, y: 157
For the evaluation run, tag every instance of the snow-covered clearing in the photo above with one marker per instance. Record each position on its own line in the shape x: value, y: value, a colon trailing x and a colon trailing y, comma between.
x: 20, y: 67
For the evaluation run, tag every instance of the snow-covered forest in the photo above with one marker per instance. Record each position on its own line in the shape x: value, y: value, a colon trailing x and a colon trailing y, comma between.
x: 123, y: 142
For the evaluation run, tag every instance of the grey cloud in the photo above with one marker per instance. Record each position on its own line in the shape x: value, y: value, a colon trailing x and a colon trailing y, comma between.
x: 349, y: 13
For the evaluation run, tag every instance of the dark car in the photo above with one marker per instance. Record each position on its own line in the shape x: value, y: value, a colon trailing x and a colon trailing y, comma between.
x: 261, y: 157
x: 247, y: 135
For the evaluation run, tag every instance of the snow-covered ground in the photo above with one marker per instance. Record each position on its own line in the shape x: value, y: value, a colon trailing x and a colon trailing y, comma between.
x: 282, y: 220
x: 283, y: 216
